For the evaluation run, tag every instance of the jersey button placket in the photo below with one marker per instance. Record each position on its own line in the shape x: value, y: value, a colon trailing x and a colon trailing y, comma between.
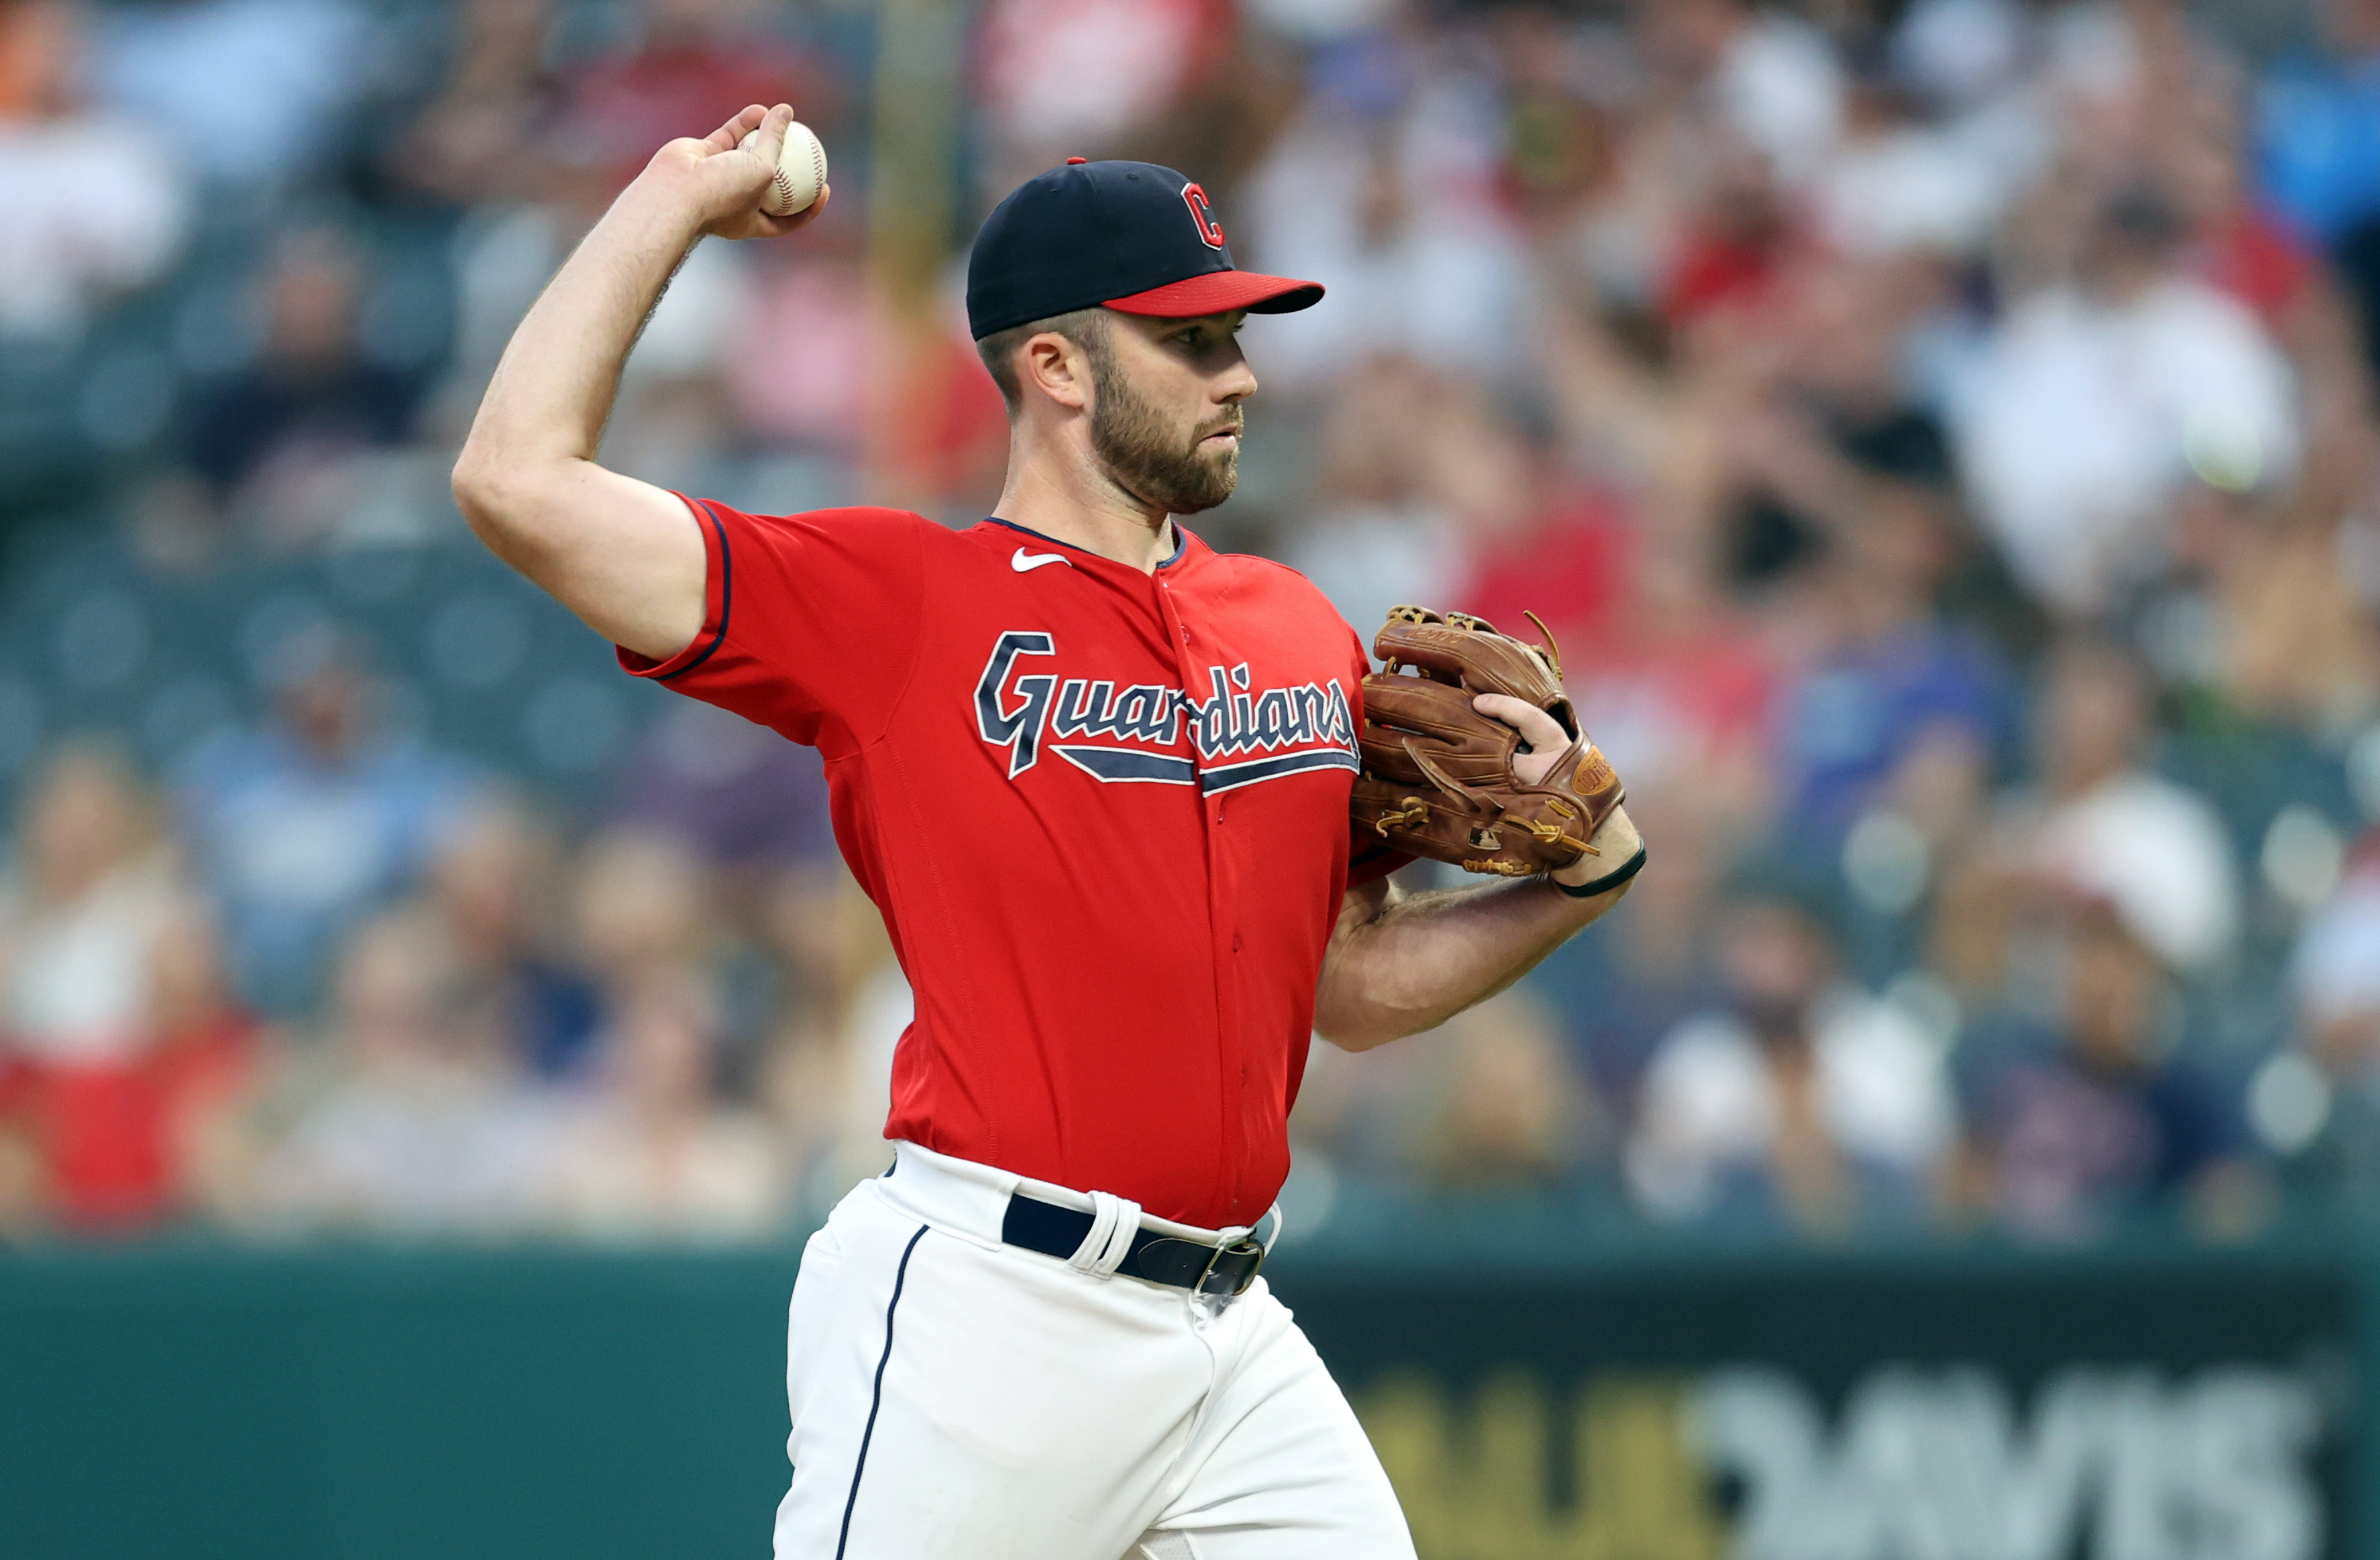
x: 1219, y: 875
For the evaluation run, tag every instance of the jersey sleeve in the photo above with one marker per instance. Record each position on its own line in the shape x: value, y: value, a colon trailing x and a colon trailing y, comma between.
x: 1367, y: 859
x: 810, y: 620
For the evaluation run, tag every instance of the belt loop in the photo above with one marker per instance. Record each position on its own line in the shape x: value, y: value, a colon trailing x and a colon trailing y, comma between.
x: 1114, y: 1221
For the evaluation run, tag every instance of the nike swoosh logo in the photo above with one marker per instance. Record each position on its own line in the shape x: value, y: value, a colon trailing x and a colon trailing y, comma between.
x: 1025, y: 562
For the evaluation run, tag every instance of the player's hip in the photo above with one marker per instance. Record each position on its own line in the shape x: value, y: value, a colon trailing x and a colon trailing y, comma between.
x: 955, y: 1394
x: 1054, y: 1245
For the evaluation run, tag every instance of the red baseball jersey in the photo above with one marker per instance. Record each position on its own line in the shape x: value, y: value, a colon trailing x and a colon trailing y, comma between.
x: 1104, y: 814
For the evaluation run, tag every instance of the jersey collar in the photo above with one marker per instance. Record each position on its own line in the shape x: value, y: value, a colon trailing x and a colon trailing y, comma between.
x: 1181, y: 541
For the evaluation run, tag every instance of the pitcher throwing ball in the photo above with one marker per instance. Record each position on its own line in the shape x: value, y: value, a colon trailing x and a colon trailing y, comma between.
x: 1097, y: 778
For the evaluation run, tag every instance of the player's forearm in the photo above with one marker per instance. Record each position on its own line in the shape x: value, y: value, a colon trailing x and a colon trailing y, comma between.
x: 1418, y: 960
x: 554, y: 388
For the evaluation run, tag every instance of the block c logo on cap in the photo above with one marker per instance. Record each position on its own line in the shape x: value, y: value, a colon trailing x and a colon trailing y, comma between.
x: 1210, y: 232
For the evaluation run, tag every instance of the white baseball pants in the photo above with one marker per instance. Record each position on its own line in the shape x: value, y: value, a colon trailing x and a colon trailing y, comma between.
x: 956, y: 1398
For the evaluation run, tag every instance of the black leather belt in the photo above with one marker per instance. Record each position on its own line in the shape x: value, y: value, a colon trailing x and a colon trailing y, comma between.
x: 1161, y: 1259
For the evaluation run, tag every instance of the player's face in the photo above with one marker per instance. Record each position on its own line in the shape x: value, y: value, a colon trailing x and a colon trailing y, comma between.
x: 1165, y: 414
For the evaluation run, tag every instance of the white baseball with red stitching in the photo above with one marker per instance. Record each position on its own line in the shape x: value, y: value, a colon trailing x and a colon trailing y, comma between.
x: 801, y: 170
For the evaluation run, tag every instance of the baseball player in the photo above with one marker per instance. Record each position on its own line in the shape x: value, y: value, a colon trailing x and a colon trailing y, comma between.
x: 1097, y: 777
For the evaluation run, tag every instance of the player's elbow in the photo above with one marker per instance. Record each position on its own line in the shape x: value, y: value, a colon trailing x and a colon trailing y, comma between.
x: 1361, y: 1024
x: 479, y: 487
x: 499, y: 500
x: 1351, y: 1037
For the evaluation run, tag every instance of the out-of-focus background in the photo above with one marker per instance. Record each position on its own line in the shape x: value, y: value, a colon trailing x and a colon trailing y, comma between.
x: 1941, y: 433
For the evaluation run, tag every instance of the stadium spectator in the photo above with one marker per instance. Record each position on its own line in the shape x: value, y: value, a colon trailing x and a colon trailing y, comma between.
x: 1135, y: 63
x: 1799, y: 1101
x: 1377, y: 532
x: 1504, y: 1109
x: 2317, y: 1103
x: 255, y: 91
x: 2095, y: 401
x: 2318, y: 146
x: 753, y: 807
x: 2320, y: 126
x: 1909, y: 178
x: 684, y: 63
x: 2239, y: 242
x: 300, y: 826
x: 206, y: 1057
x: 639, y: 908
x: 491, y: 878
x: 410, y: 1114
x: 277, y: 438
x: 81, y: 926
x: 95, y: 200
x: 2098, y: 1115
x: 2105, y: 826
x: 1883, y: 681
x: 2278, y: 590
x: 1339, y: 194
x: 93, y: 894
x: 1734, y: 251
x: 1769, y: 77
x: 1838, y: 431
x: 1493, y: 1105
x: 738, y: 794
x: 651, y: 1152
x: 485, y: 137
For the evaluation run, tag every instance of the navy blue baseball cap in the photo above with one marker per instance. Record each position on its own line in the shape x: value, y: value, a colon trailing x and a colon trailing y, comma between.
x: 1132, y: 236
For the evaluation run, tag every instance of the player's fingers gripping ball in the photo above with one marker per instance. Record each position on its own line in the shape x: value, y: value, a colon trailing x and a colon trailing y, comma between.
x: 1438, y: 779
x: 800, y: 171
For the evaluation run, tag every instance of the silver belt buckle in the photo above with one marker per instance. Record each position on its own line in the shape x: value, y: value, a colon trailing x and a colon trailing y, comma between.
x: 1244, y: 1243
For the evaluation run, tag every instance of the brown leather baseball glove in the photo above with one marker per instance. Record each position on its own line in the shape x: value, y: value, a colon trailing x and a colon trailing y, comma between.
x: 1437, y: 777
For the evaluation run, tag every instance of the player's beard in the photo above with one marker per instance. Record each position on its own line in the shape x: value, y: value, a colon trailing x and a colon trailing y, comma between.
x: 1146, y: 456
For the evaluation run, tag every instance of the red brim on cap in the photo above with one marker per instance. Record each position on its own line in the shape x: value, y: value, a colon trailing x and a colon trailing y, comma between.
x: 1219, y: 291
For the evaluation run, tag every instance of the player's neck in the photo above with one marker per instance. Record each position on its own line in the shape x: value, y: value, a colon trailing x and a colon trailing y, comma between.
x: 1072, y: 501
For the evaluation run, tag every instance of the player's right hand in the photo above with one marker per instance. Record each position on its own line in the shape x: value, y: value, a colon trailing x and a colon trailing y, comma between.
x: 726, y: 184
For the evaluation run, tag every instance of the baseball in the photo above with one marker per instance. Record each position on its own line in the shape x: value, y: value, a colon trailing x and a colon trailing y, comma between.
x: 801, y: 170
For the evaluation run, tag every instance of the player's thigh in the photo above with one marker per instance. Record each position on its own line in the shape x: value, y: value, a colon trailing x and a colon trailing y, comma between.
x: 1282, y: 1469
x: 848, y: 1272
x: 833, y: 1333
x: 980, y: 1405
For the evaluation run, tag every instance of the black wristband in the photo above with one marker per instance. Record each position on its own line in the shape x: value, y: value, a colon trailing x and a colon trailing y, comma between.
x: 1608, y: 881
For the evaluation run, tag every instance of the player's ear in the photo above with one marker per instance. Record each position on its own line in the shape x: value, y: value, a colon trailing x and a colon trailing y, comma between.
x: 1058, y: 367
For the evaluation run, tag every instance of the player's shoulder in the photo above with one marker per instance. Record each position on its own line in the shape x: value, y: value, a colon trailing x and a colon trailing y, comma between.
x: 1250, y: 571
x: 1278, y: 589
x: 868, y: 530
x: 857, y: 516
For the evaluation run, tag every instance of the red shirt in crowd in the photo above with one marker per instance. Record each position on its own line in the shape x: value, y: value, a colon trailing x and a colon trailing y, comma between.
x: 2255, y: 257
x: 110, y: 1133
x: 621, y: 109
x: 1104, y: 814
x: 1572, y: 567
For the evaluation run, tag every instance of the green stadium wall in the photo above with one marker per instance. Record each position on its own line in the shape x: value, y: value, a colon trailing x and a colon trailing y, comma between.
x: 2146, y: 1402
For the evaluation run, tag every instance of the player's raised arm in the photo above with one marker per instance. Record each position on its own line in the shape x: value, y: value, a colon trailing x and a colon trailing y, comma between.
x: 621, y: 554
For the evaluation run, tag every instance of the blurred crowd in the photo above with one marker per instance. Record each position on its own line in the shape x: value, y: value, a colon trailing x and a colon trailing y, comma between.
x: 1940, y: 434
